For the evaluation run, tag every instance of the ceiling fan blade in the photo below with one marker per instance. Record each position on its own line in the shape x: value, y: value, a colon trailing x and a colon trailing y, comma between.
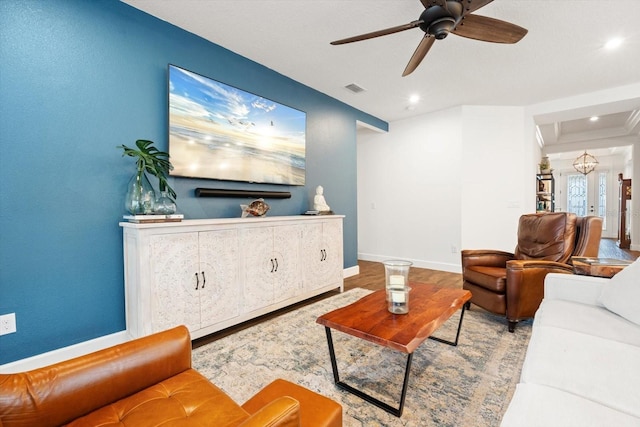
x: 379, y: 33
x: 419, y: 54
x: 489, y: 29
x: 473, y: 5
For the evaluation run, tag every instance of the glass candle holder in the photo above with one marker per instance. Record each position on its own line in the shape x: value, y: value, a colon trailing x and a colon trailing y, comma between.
x: 396, y: 274
x: 398, y: 300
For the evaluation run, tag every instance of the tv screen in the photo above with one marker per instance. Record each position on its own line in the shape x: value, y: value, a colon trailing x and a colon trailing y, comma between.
x: 217, y: 131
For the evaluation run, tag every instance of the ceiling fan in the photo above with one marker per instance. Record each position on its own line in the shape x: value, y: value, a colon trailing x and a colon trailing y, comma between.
x: 441, y: 17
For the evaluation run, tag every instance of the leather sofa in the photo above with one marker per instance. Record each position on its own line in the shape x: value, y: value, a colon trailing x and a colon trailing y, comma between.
x: 512, y: 283
x: 150, y: 382
x: 582, y: 363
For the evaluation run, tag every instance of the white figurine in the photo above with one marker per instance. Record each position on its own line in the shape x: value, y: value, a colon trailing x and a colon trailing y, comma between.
x: 319, y: 203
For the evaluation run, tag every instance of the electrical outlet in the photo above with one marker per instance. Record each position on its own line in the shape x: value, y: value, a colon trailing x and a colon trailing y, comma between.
x: 7, y: 323
x: 454, y: 250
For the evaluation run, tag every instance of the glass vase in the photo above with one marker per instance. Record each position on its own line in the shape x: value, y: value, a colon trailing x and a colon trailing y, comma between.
x: 165, y: 205
x: 140, y: 199
x: 396, y: 274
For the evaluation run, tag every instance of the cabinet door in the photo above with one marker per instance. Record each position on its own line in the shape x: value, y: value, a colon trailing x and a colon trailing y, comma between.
x: 322, y: 252
x: 174, y: 298
x: 219, y: 293
x: 333, y: 263
x: 259, y: 265
x: 287, y: 279
x: 312, y: 254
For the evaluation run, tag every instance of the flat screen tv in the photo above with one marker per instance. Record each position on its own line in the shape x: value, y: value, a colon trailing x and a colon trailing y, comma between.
x: 217, y: 131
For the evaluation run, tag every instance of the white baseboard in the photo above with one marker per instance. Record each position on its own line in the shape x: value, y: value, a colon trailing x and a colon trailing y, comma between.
x: 431, y: 265
x: 351, y: 271
x: 64, y: 353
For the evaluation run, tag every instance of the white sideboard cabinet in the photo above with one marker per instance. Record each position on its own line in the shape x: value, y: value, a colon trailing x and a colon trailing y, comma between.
x: 215, y: 273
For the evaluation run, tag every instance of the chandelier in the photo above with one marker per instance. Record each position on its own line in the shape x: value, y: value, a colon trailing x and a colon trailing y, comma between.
x: 585, y: 163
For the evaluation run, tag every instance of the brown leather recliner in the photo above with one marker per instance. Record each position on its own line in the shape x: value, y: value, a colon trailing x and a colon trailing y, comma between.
x: 513, y: 283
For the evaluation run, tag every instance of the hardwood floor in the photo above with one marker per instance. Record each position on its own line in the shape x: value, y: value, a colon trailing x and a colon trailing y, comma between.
x: 609, y: 249
x: 372, y: 277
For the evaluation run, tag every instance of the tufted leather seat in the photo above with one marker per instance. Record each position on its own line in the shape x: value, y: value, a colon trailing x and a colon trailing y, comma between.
x: 513, y: 283
x: 150, y: 382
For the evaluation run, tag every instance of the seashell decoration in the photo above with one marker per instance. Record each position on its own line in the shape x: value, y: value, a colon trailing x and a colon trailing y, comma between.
x: 256, y: 208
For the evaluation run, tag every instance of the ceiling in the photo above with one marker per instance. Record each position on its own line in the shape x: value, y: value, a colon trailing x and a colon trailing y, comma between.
x: 562, y: 55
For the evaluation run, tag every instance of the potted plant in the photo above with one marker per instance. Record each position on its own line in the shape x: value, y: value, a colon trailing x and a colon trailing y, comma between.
x: 545, y: 165
x: 140, y: 197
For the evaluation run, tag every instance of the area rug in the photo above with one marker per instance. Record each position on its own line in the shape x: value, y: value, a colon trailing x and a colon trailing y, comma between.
x: 467, y: 385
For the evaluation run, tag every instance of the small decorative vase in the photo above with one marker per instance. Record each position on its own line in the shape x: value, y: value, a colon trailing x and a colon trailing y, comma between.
x: 140, y: 199
x: 164, y: 204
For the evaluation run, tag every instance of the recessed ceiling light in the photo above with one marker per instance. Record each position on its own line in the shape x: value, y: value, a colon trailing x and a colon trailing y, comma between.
x: 594, y: 118
x: 613, y: 43
x: 414, y: 99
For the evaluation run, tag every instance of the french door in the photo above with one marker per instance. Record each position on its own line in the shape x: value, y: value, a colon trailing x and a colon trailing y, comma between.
x: 587, y: 194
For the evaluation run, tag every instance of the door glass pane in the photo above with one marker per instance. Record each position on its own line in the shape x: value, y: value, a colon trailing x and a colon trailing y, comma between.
x: 577, y: 194
x: 602, y: 198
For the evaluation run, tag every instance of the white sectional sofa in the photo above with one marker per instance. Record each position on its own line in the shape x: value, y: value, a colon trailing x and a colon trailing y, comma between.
x: 582, y: 366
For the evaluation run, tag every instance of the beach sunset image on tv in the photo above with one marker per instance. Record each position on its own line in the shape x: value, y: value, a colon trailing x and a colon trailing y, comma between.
x: 217, y: 131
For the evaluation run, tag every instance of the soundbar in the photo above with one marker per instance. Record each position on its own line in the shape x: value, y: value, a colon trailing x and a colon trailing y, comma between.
x: 219, y: 192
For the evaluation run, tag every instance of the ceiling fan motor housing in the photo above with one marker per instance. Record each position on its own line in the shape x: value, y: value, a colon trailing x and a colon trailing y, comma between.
x: 439, y: 21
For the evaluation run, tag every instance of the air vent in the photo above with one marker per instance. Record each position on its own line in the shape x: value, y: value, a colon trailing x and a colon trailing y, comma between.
x: 354, y: 88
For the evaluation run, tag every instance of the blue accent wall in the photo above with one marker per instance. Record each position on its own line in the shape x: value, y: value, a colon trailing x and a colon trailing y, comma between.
x: 77, y: 79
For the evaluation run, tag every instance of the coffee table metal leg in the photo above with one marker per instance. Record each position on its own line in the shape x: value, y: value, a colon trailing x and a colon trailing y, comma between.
x: 380, y: 404
x: 453, y: 343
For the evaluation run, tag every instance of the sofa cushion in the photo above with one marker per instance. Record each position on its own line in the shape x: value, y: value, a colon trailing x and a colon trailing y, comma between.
x: 488, y: 277
x: 587, y: 319
x: 622, y: 296
x: 601, y: 370
x: 184, y: 399
x: 542, y: 406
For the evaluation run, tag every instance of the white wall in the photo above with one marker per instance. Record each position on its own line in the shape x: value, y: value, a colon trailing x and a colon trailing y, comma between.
x: 499, y: 176
x: 444, y: 181
x: 409, y: 191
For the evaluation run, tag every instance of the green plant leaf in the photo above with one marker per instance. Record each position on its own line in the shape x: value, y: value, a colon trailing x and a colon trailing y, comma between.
x: 152, y: 160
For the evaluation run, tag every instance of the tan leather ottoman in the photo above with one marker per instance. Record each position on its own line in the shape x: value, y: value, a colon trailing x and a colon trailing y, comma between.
x: 315, y: 410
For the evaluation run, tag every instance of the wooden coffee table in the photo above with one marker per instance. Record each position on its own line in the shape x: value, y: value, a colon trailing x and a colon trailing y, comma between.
x: 368, y: 318
x: 599, y: 267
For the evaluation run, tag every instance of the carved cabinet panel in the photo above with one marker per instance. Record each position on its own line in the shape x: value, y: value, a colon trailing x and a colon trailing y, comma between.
x: 270, y: 262
x: 174, y: 263
x: 193, y: 280
x: 322, y: 253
